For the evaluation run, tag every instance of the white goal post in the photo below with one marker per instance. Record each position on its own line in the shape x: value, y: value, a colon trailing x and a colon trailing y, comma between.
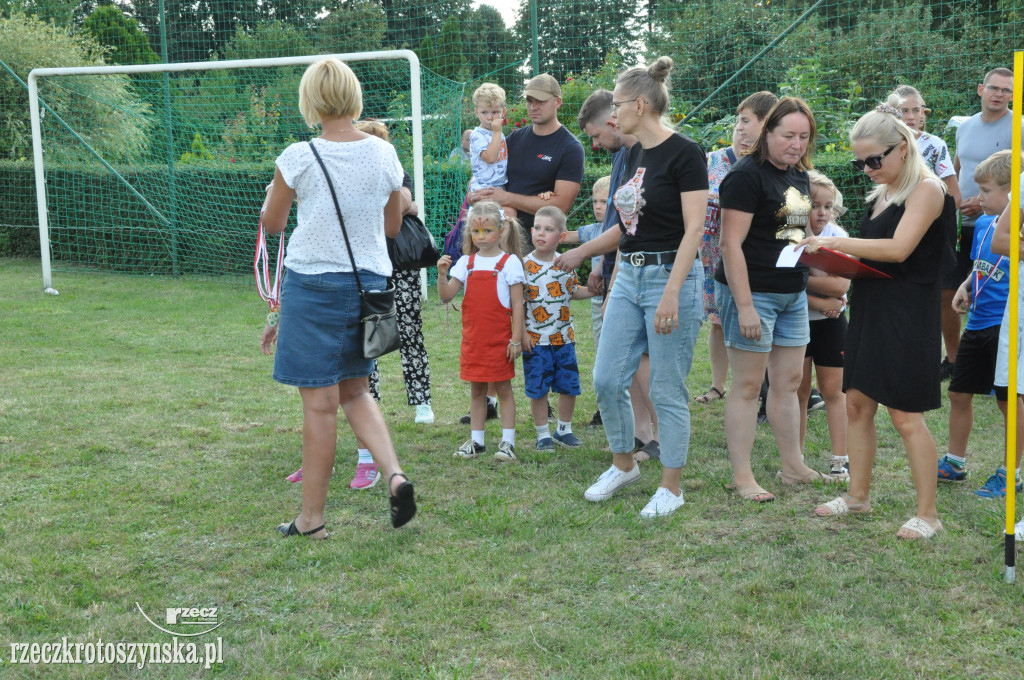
x: 37, y: 139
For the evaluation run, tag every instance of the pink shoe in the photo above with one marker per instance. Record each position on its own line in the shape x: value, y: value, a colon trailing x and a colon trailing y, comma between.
x: 295, y: 476
x: 366, y: 476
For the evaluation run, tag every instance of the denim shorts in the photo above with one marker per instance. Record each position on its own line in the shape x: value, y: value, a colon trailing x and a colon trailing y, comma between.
x: 551, y: 368
x: 783, y: 320
x: 320, y: 339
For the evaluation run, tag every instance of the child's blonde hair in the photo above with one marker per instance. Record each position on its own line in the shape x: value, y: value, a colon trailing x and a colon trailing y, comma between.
x: 603, y: 184
x: 489, y: 94
x: 554, y: 214
x: 996, y: 168
x: 375, y: 128
x: 329, y: 88
x: 511, y: 230
x: 817, y: 179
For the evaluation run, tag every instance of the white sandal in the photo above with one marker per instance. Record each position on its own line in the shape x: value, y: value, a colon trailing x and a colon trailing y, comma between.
x: 839, y: 506
x: 918, y: 525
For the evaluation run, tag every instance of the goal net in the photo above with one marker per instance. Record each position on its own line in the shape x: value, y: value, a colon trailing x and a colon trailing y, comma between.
x: 161, y: 168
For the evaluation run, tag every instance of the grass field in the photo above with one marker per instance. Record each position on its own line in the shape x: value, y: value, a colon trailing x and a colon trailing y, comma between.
x: 143, y: 450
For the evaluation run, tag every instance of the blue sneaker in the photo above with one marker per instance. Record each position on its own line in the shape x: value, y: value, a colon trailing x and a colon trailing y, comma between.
x: 567, y: 439
x: 546, y: 444
x: 950, y: 473
x: 995, y: 486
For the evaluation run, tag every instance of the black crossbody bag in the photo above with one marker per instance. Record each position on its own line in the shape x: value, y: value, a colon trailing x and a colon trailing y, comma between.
x: 377, y: 308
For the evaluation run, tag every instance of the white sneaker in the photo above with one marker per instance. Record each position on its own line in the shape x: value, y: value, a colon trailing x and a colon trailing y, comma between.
x: 610, y: 482
x: 424, y: 414
x: 1018, y: 530
x: 662, y: 503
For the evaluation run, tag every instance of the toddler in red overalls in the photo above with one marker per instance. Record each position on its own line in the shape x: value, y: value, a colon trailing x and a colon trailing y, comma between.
x: 492, y: 318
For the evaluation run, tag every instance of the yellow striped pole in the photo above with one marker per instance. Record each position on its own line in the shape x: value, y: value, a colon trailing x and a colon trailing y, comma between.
x: 1011, y: 411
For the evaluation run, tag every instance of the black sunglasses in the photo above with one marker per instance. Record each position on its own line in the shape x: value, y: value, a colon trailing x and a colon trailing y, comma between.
x: 873, y: 162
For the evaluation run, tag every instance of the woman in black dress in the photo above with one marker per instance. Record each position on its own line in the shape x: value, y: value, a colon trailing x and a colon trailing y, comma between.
x: 894, y: 323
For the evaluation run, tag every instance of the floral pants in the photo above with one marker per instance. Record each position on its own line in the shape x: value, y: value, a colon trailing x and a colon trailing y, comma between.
x: 415, y: 362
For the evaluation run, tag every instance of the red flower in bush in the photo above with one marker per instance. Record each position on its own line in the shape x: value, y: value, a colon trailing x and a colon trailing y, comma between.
x: 232, y: 160
x: 518, y: 124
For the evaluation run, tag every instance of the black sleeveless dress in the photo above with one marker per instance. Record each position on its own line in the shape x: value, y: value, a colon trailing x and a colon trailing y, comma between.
x: 893, y: 344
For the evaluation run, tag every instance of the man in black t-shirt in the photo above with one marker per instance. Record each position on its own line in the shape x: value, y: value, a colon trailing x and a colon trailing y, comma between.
x: 542, y: 157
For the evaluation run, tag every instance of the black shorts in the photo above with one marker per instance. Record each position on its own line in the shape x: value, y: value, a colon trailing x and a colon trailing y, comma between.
x: 975, y: 368
x: 828, y: 341
x: 954, y: 276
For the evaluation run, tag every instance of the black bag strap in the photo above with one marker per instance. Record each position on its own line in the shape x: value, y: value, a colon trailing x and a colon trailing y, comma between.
x: 341, y: 220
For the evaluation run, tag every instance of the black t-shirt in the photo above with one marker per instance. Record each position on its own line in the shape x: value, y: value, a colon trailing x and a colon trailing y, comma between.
x: 661, y: 173
x: 536, y: 162
x: 780, y: 202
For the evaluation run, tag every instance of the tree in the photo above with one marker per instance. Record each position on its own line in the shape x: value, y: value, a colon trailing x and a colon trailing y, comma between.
x: 491, y: 49
x: 105, y: 110
x: 121, y: 35
x: 575, y: 35
x: 353, y: 26
x: 445, y: 57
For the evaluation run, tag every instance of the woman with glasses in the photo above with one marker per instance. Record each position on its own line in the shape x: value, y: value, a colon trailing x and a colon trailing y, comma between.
x: 894, y: 322
x: 654, y: 305
x: 766, y: 206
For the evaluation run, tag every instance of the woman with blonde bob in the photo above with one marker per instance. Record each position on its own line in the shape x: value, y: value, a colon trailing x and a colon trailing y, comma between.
x: 319, y: 337
x: 894, y: 323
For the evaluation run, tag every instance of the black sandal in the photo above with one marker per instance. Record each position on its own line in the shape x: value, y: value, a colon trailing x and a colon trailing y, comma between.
x: 291, y: 530
x: 403, y: 502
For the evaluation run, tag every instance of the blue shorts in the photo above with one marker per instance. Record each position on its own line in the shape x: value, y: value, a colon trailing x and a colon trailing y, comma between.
x: 551, y: 368
x: 783, y: 320
x: 320, y: 339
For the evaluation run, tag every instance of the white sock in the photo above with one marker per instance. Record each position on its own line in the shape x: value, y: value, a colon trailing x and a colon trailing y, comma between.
x: 493, y: 401
x: 509, y: 435
x: 845, y: 459
x: 543, y: 432
x: 564, y: 427
x: 478, y: 436
x: 960, y: 461
x: 364, y: 456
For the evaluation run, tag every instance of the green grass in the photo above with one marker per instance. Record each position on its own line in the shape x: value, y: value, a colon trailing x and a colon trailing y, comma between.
x: 143, y: 450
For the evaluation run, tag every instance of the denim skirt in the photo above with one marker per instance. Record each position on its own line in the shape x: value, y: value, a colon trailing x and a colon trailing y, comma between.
x: 320, y: 339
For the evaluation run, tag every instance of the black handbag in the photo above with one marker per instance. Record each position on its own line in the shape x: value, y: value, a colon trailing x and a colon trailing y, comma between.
x: 414, y: 247
x: 377, y: 307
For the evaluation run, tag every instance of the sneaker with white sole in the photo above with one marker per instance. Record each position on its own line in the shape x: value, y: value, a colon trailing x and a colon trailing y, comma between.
x: 838, y: 468
x: 506, y: 452
x: 366, y: 477
x: 470, y: 449
x: 610, y: 481
x: 567, y: 439
x: 662, y: 503
x: 424, y: 414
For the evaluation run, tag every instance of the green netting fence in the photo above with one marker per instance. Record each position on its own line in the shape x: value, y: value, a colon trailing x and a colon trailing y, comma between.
x: 198, y: 148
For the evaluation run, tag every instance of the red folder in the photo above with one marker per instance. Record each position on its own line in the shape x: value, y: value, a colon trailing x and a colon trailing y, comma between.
x: 837, y: 264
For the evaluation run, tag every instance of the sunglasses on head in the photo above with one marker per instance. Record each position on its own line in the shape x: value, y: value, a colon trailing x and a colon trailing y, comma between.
x: 873, y: 162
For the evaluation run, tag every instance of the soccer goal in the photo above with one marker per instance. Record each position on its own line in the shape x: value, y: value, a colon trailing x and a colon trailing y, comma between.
x: 161, y: 168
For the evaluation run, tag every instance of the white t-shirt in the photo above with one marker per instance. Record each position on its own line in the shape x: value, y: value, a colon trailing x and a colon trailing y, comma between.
x: 487, y: 174
x: 364, y: 174
x: 830, y: 229
x: 936, y: 155
x: 510, y: 274
x: 548, y: 296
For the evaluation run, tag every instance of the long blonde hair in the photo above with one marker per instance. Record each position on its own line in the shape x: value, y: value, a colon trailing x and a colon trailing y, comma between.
x: 511, y: 229
x: 887, y: 130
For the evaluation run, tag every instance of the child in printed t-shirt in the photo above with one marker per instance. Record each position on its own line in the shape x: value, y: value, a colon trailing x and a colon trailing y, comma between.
x: 488, y: 153
x: 492, y: 319
x: 826, y: 307
x: 549, y: 341
x: 982, y: 296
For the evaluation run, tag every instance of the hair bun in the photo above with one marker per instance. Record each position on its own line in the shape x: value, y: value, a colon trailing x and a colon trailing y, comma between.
x: 660, y: 69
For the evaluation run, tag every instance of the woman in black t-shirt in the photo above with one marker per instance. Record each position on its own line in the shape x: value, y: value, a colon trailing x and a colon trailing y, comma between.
x: 766, y: 203
x: 655, y: 304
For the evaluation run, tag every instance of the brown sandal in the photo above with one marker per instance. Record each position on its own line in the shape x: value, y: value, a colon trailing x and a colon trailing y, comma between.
x: 815, y: 476
x: 756, y: 494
